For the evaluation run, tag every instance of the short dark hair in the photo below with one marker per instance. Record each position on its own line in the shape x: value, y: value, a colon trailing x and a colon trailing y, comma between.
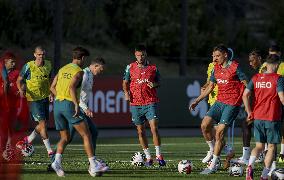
x: 39, y: 48
x: 272, y: 59
x: 79, y: 52
x: 274, y: 48
x: 140, y: 47
x: 98, y: 60
x: 255, y: 52
x: 222, y: 48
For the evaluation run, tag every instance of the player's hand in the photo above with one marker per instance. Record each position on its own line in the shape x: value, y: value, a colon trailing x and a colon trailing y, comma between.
x: 150, y: 85
x: 89, y: 113
x: 250, y: 118
x: 22, y: 93
x: 77, y: 110
x: 127, y: 96
x: 51, y: 98
x: 193, y: 105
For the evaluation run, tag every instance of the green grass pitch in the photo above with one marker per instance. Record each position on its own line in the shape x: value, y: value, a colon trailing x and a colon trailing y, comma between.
x: 117, y: 152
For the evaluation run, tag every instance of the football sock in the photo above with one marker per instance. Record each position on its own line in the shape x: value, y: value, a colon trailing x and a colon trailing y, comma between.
x: 266, y: 147
x: 58, y: 158
x: 211, y: 145
x: 92, y: 161
x: 214, y: 161
x: 265, y: 172
x: 158, y: 150
x: 273, y: 165
x: 147, y: 153
x: 246, y: 152
x: 47, y: 145
x: 32, y: 136
x: 282, y: 149
x: 251, y: 160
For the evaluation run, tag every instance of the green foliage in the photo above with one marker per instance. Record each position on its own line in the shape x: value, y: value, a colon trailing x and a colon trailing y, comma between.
x: 156, y: 23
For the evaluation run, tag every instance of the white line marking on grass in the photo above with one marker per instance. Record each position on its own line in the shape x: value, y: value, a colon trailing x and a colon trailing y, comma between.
x: 117, y: 144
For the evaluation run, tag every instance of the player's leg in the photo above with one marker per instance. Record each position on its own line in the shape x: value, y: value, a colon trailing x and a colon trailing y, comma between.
x: 82, y: 129
x: 260, y: 139
x: 41, y: 113
x: 138, y: 118
x: 273, y: 131
x: 281, y: 154
x: 246, y: 136
x: 208, y: 129
x: 229, y: 115
x: 151, y: 114
x: 80, y: 125
x: 94, y: 133
x: 62, y: 126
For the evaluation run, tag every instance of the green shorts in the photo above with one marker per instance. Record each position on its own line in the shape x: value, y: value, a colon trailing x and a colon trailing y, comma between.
x: 142, y: 113
x: 63, y: 114
x: 267, y: 131
x: 223, y: 113
x: 39, y: 109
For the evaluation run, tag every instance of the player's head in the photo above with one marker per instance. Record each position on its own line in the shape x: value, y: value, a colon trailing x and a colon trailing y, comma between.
x: 97, y: 65
x: 79, y: 55
x: 255, y: 59
x: 272, y: 62
x: 140, y: 54
x: 220, y: 54
x: 9, y: 60
x: 275, y: 49
x: 39, y: 53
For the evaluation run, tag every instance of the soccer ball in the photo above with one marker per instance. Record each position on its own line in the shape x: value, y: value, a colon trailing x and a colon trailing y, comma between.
x: 236, y: 169
x: 185, y: 167
x: 138, y: 159
x: 26, y: 149
x: 277, y: 174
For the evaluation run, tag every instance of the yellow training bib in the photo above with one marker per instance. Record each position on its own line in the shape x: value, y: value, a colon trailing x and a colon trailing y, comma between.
x: 38, y: 84
x: 65, y: 75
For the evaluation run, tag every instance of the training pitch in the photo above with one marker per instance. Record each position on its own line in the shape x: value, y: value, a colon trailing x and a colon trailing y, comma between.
x: 117, y: 152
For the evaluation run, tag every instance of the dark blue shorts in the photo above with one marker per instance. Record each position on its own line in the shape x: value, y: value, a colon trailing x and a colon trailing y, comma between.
x: 142, y: 113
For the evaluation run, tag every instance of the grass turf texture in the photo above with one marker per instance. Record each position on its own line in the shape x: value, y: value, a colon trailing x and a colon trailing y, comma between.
x: 117, y: 152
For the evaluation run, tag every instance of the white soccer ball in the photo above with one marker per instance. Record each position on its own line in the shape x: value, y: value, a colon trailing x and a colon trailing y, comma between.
x: 236, y: 169
x: 138, y: 159
x: 185, y: 167
x: 277, y: 174
x: 27, y: 149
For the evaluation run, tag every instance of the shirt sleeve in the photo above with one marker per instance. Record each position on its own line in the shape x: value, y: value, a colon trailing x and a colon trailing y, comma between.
x: 25, y: 72
x: 241, y: 75
x: 212, y: 77
x: 280, y: 84
x: 250, y: 85
x: 126, y: 75
x: 4, y: 74
x: 86, y: 90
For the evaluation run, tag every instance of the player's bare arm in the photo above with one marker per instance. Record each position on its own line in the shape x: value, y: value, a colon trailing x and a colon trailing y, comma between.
x: 246, y: 101
x: 53, y: 85
x: 125, y: 87
x: 21, y: 86
x: 281, y: 96
x: 205, y: 93
x: 73, y: 87
x: 245, y: 82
